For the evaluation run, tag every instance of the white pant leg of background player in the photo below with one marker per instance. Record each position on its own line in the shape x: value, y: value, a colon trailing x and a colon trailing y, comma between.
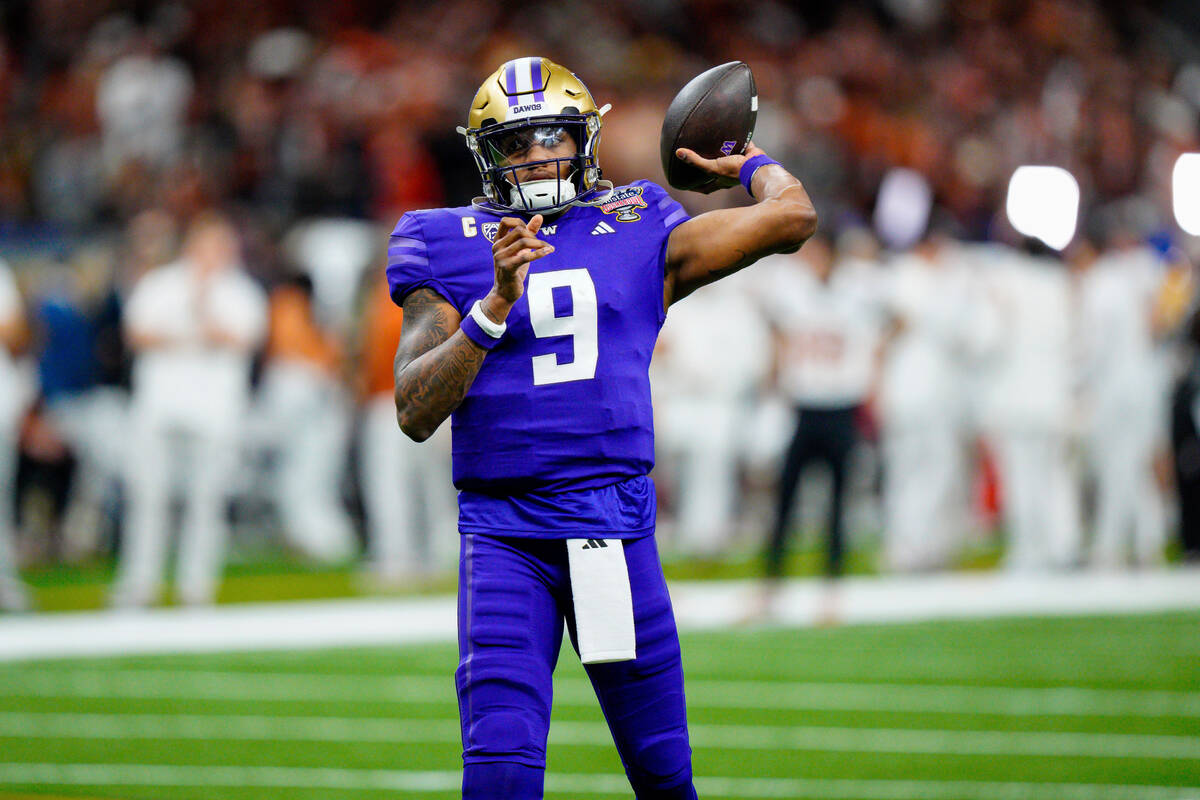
x: 303, y: 417
x: 13, y: 596
x: 144, y: 541
x: 204, y: 531
x: 1023, y: 476
x: 388, y: 489
x: 1040, y: 500
x: 707, y: 474
x: 1128, y: 510
x: 96, y: 426
x: 312, y: 467
x: 921, y: 467
x: 412, y: 512
x: 1150, y: 523
x: 1066, y: 524
x: 439, y: 500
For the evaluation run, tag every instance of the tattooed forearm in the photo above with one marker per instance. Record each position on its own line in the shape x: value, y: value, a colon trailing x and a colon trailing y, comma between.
x: 432, y: 386
x: 435, y: 364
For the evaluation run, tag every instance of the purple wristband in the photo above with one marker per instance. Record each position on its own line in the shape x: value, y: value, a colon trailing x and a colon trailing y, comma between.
x: 751, y: 165
x: 476, y: 334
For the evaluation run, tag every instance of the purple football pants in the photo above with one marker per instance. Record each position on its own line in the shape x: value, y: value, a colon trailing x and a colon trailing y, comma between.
x: 514, y: 597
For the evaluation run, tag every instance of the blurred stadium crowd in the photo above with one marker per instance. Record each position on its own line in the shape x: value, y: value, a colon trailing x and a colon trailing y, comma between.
x: 195, y: 198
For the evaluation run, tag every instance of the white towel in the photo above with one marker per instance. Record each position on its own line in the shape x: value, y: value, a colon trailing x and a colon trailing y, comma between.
x: 603, y: 600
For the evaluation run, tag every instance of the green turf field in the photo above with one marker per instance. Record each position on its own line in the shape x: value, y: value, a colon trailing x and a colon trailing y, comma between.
x: 1098, y: 708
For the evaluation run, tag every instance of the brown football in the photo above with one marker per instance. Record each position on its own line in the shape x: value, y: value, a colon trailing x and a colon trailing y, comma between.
x: 714, y: 115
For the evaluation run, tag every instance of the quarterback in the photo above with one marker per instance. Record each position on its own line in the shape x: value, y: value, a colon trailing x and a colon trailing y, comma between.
x: 529, y: 318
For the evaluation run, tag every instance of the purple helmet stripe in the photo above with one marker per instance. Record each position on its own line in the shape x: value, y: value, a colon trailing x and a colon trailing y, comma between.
x: 510, y: 82
x: 535, y: 73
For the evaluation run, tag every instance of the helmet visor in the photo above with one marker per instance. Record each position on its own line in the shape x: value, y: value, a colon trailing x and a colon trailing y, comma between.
x: 509, y: 146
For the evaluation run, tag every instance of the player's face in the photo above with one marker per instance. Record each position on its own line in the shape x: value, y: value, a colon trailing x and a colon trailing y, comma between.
x: 818, y: 255
x: 539, y: 143
x: 213, y: 247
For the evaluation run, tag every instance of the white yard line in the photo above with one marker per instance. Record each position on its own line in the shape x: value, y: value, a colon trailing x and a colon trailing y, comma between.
x: 309, y: 687
x: 227, y: 728
x: 699, y: 606
x: 571, y: 784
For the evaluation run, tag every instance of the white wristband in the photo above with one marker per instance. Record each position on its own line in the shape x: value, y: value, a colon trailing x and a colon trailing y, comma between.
x: 492, y: 329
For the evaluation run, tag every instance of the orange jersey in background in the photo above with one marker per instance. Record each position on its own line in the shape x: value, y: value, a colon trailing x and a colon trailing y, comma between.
x: 381, y: 335
x: 295, y: 336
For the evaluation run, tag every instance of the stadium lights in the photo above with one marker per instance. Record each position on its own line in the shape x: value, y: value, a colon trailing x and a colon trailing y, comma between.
x: 1185, y: 186
x: 1043, y: 202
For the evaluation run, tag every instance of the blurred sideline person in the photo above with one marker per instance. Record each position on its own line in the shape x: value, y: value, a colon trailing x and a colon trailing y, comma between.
x: 142, y: 102
x: 824, y: 315
x: 530, y: 317
x: 701, y: 420
x: 304, y: 416
x: 408, y: 494
x: 82, y: 370
x: 921, y: 405
x: 1027, y: 408
x: 13, y: 399
x: 1125, y: 402
x: 1185, y: 441
x: 193, y: 326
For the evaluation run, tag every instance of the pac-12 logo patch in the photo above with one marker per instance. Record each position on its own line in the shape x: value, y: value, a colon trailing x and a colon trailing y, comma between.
x: 625, y: 204
x: 489, y: 230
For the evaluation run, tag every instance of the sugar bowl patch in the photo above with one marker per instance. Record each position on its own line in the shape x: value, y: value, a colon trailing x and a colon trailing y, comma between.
x: 625, y: 204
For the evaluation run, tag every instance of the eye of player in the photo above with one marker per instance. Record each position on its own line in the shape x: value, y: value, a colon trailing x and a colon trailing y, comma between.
x: 512, y: 147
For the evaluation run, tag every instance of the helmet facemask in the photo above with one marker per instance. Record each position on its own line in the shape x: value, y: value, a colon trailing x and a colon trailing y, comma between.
x: 504, y: 147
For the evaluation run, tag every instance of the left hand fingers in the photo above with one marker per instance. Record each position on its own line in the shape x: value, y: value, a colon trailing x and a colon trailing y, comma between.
x: 753, y: 150
x: 696, y: 160
x: 725, y: 169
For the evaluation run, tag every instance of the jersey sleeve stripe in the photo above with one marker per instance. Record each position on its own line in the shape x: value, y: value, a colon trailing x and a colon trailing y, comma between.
x: 678, y: 216
x: 410, y: 260
x: 408, y: 244
x: 406, y: 251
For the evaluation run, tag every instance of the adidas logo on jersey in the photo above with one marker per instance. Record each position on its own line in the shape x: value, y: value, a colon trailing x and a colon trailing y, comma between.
x: 602, y: 228
x: 593, y: 544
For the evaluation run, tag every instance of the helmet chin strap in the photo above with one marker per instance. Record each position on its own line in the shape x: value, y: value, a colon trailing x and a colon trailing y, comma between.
x: 537, y: 195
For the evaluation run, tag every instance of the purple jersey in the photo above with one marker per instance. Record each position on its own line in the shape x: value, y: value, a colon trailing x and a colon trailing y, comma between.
x: 561, y: 406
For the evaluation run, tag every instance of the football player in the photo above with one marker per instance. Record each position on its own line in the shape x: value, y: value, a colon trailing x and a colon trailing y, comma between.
x: 531, y: 316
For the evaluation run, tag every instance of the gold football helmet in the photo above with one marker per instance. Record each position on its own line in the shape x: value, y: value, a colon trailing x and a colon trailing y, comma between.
x: 532, y: 101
